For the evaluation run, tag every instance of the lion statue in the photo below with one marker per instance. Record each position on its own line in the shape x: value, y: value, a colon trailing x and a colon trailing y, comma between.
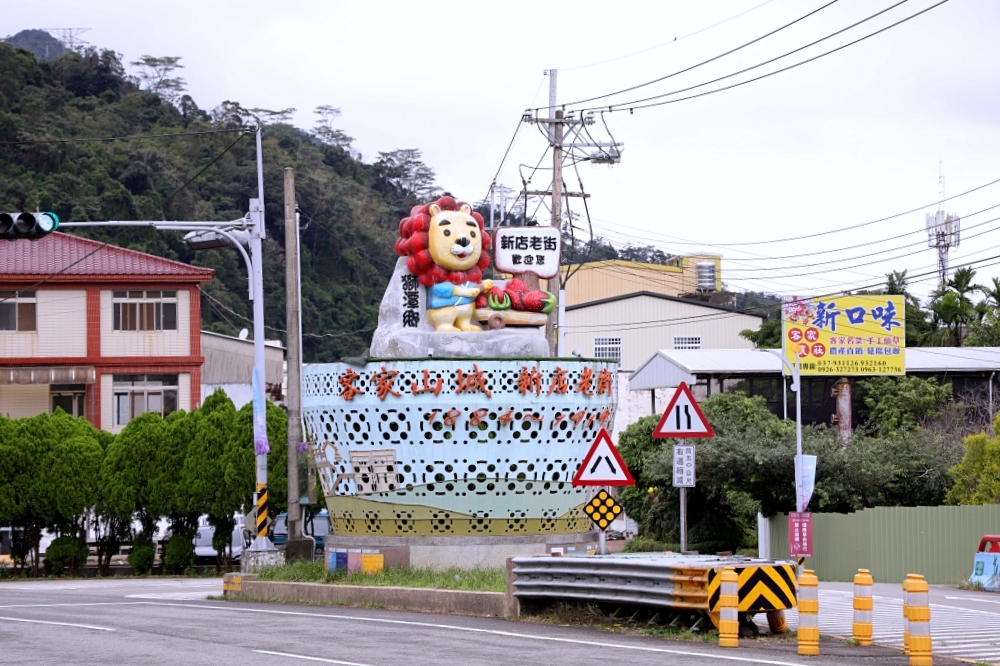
x: 445, y: 246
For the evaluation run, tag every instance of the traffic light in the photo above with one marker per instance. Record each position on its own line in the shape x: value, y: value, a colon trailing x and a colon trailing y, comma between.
x: 27, y: 225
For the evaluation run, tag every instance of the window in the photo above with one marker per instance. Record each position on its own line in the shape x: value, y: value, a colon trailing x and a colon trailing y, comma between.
x: 687, y: 342
x: 145, y: 310
x: 608, y: 348
x: 71, y: 398
x: 138, y: 394
x: 17, y: 311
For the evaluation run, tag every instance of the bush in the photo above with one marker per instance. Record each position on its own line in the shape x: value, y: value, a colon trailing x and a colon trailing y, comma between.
x: 63, y: 553
x: 178, y: 556
x: 142, y: 555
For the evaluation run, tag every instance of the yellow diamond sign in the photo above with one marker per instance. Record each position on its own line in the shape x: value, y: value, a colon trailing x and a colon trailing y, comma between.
x: 603, y: 509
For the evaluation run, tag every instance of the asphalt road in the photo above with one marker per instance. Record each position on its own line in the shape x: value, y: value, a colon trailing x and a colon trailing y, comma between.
x: 170, y: 622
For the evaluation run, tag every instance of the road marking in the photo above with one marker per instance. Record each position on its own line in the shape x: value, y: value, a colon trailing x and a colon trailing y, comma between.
x: 494, y: 632
x: 171, y: 596
x: 974, y: 599
x: 61, y: 624
x: 307, y: 658
x: 101, y: 603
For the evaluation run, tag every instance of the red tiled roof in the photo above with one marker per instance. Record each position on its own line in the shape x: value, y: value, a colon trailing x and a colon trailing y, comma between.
x: 77, y: 257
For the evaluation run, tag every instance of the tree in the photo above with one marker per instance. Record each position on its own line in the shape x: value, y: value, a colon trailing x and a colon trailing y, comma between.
x: 952, y: 310
x: 899, y: 404
x: 326, y: 133
x: 768, y: 336
x: 130, y: 468
x: 405, y: 172
x: 268, y: 117
x: 977, y: 476
x: 154, y: 73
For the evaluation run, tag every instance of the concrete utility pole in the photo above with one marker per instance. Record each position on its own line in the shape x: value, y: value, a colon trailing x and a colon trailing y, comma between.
x: 556, y: 139
x: 293, y: 399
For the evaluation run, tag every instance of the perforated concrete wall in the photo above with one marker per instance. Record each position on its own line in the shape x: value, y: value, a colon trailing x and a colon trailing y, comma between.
x: 456, y: 447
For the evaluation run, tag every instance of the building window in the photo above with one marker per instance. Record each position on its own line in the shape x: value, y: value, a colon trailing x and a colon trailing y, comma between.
x: 145, y: 310
x: 608, y: 348
x: 138, y: 394
x: 71, y: 398
x: 687, y: 342
x: 17, y: 311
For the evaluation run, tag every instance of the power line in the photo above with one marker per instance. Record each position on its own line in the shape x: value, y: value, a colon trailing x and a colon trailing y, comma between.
x: 703, y: 62
x: 760, y: 64
x: 673, y: 41
x: 631, y: 108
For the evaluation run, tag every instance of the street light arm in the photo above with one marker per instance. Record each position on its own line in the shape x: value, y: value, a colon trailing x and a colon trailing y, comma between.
x: 793, y: 370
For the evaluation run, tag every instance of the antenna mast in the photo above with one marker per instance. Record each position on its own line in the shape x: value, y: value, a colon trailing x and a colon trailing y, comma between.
x: 943, y: 232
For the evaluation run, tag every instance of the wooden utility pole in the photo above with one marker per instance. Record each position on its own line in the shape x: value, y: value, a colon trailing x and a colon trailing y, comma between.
x: 293, y: 399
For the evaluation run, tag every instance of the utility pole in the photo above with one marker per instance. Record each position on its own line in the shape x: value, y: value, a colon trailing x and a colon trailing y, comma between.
x: 293, y: 399
x: 556, y: 139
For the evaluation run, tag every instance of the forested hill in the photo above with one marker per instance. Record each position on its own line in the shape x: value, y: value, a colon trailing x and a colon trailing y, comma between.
x: 350, y: 209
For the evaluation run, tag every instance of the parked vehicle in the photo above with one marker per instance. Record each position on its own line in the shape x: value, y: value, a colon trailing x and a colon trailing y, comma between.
x: 317, y: 527
x: 615, y: 535
x: 205, y: 552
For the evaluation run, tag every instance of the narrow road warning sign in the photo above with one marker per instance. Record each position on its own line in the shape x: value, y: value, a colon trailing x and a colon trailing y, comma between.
x: 683, y: 417
x: 603, y: 466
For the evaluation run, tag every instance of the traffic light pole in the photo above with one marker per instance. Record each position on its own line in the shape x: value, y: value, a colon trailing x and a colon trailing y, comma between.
x: 253, y: 226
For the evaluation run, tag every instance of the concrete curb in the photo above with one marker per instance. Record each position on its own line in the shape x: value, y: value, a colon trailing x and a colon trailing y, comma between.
x: 404, y: 598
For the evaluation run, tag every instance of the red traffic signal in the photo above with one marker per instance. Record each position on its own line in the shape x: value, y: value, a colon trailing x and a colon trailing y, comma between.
x: 27, y: 225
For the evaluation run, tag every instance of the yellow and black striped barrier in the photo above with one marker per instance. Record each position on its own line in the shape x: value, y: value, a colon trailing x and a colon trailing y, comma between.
x: 761, y: 587
x: 260, y: 502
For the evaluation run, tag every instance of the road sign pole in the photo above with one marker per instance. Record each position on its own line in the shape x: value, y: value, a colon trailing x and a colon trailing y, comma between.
x: 684, y: 520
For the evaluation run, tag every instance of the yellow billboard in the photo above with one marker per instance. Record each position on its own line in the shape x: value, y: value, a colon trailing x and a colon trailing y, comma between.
x: 844, y: 335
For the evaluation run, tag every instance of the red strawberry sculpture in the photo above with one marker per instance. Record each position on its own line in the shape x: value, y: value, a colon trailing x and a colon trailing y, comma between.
x: 516, y: 296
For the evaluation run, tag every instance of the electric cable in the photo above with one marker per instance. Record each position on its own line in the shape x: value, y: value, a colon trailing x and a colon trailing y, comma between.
x: 758, y: 65
x: 703, y: 62
x: 634, y: 106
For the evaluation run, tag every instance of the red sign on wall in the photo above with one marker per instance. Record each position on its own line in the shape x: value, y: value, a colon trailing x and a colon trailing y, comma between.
x: 800, y: 534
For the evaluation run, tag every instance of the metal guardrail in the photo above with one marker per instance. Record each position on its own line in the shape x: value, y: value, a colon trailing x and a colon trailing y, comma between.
x: 683, y: 583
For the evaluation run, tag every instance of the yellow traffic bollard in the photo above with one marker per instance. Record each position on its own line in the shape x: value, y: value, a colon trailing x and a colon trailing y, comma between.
x: 906, y: 610
x: 729, y: 603
x: 863, y: 607
x: 808, y: 613
x: 919, y: 611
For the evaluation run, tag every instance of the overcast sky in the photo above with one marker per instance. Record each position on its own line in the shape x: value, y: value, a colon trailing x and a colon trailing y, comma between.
x: 852, y: 137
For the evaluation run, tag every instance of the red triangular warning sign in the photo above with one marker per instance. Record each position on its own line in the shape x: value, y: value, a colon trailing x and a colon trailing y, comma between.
x: 603, y: 466
x: 683, y: 417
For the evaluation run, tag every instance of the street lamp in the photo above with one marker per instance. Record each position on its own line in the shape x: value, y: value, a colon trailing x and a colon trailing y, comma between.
x: 248, y: 230
x: 797, y: 387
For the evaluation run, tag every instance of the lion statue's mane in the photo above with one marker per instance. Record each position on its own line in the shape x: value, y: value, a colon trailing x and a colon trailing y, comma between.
x: 413, y: 243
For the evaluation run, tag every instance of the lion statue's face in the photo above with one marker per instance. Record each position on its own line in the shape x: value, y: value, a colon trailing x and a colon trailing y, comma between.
x: 455, y: 240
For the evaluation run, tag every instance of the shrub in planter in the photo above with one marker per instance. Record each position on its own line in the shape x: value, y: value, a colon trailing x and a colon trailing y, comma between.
x: 64, y: 553
x: 142, y: 555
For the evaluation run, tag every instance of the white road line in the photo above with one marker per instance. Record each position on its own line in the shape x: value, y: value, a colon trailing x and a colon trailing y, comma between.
x: 975, y: 599
x: 494, y: 632
x: 307, y: 658
x: 170, y: 596
x: 101, y: 603
x: 61, y: 624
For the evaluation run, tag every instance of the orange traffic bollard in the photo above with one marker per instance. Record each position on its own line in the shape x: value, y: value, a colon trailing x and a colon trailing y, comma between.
x: 920, y: 623
x: 862, y: 629
x: 729, y: 602
x: 906, y: 610
x: 808, y: 613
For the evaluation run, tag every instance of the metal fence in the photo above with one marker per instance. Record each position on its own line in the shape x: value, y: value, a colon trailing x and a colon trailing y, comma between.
x: 936, y: 541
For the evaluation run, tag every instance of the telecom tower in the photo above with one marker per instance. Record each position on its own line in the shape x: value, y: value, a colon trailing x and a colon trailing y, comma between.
x: 943, y: 233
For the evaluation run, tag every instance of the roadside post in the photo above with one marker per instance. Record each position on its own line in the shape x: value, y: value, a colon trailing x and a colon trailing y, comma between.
x: 862, y: 628
x: 729, y: 602
x: 919, y: 620
x: 603, y: 466
x: 808, y: 613
x: 682, y: 419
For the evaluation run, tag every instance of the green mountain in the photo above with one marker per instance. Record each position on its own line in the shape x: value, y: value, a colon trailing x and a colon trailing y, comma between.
x: 50, y: 112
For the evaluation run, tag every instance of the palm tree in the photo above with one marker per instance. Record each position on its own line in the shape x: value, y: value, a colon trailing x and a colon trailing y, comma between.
x: 953, y: 308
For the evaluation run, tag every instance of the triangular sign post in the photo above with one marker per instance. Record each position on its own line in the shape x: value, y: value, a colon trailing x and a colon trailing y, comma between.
x: 683, y: 417
x: 603, y: 466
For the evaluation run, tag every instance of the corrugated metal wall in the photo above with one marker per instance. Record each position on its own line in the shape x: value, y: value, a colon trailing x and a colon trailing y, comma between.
x: 936, y: 541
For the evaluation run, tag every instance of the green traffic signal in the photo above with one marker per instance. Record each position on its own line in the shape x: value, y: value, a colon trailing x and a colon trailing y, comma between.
x: 27, y: 225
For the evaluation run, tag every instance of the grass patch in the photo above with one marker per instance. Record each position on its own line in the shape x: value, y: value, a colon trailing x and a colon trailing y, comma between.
x: 674, y: 633
x: 972, y: 585
x: 478, y: 580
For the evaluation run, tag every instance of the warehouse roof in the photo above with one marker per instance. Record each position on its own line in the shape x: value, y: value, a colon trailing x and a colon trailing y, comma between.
x: 669, y: 367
